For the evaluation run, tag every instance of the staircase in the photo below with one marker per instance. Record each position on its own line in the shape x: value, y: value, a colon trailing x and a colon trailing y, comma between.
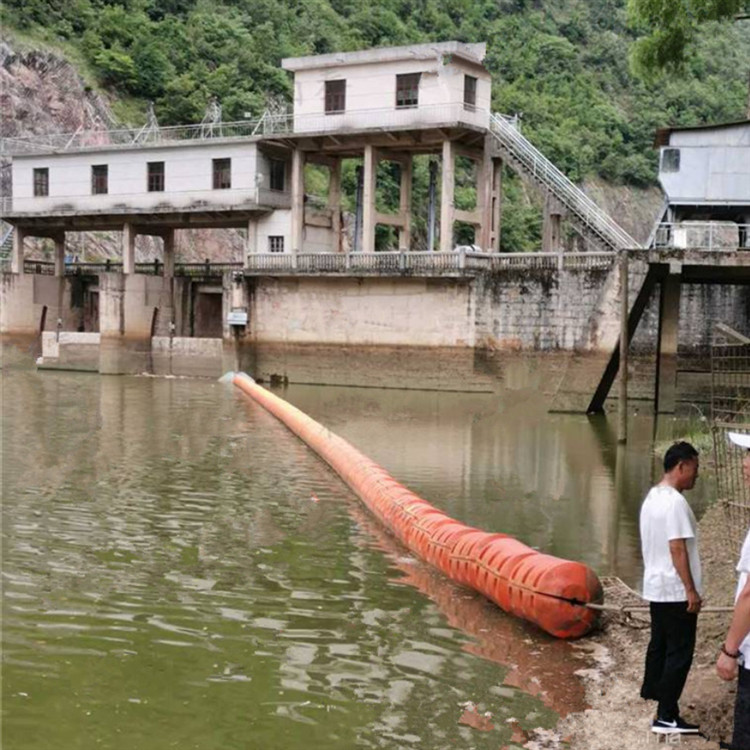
x: 589, y: 219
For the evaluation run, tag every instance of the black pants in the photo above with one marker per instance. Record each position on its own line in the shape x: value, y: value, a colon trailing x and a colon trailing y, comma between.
x: 669, y: 655
x: 741, y: 734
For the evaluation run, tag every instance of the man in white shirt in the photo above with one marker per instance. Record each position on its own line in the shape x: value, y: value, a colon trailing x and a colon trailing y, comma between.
x: 672, y: 585
x: 734, y: 657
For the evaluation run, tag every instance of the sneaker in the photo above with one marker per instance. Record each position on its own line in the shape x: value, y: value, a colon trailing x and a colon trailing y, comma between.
x: 675, y: 726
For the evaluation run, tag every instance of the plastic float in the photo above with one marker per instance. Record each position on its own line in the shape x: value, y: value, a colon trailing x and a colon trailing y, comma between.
x: 545, y: 590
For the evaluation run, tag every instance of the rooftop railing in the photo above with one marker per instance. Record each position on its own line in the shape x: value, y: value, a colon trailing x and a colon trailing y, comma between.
x: 711, y: 236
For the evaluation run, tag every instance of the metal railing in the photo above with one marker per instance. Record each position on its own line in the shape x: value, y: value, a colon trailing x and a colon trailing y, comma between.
x: 39, y: 267
x: 540, y: 168
x: 715, y: 236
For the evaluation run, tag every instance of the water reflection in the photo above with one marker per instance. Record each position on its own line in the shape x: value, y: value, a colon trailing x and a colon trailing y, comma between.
x: 168, y: 578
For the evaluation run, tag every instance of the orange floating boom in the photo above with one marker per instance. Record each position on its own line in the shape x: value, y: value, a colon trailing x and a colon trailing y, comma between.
x: 546, y: 590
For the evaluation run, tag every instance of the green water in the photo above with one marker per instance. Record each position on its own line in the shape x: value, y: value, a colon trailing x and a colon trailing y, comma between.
x: 180, y: 571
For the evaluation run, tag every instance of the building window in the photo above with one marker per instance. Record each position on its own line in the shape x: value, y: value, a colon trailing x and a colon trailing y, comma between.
x: 670, y: 160
x: 335, y: 96
x: 222, y: 174
x: 99, y: 179
x: 275, y: 244
x: 407, y: 90
x: 41, y: 181
x: 156, y: 177
x: 470, y: 93
x: 277, y: 172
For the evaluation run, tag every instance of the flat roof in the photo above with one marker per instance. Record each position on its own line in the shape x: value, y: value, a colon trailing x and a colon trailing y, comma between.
x: 662, y: 134
x: 473, y: 53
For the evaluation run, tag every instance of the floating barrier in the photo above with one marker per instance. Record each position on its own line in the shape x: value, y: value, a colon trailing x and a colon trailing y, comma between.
x: 548, y: 591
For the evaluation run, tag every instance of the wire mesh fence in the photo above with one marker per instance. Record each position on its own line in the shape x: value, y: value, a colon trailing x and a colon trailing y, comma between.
x: 730, y: 412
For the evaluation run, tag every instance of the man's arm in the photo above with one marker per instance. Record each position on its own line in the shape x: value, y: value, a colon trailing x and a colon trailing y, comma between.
x: 726, y: 666
x: 681, y: 562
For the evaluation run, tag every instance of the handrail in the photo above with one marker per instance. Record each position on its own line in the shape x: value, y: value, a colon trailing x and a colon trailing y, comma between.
x: 542, y: 169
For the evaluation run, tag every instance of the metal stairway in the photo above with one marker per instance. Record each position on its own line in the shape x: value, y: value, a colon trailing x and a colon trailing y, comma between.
x: 6, y: 244
x: 524, y: 157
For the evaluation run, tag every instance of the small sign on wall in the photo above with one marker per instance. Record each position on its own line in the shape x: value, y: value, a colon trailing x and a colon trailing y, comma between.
x: 237, y: 316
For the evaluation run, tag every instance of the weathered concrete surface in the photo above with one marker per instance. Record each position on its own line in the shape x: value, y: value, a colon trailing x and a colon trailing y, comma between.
x: 69, y: 351
x: 363, y: 311
x: 197, y: 357
x: 32, y: 303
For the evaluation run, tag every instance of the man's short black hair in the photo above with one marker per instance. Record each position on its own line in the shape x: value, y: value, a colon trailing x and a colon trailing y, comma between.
x: 681, y: 451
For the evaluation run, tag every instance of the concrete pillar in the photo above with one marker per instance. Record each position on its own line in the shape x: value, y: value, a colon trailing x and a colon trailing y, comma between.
x: 128, y: 249
x: 669, y: 319
x: 60, y: 255
x: 485, y: 177
x: 497, y: 204
x: 404, y: 232
x: 334, y: 203
x: 16, y: 260
x: 168, y: 238
x: 447, y: 196
x: 251, y: 243
x: 552, y: 227
x: 368, y: 200
x: 298, y: 200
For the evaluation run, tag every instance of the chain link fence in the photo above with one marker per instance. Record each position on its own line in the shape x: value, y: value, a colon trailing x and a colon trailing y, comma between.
x: 730, y: 412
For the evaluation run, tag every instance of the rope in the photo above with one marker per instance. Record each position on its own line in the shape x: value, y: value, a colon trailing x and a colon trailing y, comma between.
x: 645, y: 608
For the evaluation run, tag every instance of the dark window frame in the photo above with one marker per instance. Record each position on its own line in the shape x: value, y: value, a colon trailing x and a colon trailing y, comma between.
x: 335, y: 96
x: 670, y: 160
x: 276, y: 243
x: 277, y: 174
x: 470, y: 93
x: 41, y: 182
x: 155, y: 176
x: 99, y: 179
x: 222, y: 174
x: 407, y: 90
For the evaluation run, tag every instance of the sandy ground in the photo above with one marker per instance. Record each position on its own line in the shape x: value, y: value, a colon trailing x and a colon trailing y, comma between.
x: 618, y: 719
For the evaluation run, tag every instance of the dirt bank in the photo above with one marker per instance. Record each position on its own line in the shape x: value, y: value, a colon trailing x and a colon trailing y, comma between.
x: 617, y: 718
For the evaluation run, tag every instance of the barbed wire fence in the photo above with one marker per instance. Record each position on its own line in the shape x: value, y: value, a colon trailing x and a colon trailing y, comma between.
x: 730, y: 412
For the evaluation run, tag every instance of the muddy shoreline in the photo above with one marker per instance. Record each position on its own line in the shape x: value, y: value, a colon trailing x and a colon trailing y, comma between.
x: 618, y: 718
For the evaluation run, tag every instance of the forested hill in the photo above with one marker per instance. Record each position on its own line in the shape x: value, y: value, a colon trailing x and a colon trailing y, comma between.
x: 562, y: 63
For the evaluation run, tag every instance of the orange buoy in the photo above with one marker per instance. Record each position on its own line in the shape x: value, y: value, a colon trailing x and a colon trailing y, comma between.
x: 546, y: 590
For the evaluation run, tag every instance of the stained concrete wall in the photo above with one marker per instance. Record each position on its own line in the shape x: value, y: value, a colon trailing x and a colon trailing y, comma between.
x: 362, y: 311
x: 70, y: 351
x: 24, y: 297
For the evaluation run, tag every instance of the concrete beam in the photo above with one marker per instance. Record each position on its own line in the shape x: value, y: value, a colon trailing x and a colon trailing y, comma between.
x: 16, y: 259
x: 404, y: 236
x: 368, y: 199
x: 60, y: 255
x: 128, y: 249
x: 497, y: 204
x: 551, y: 229
x: 447, y: 196
x: 168, y: 239
x: 334, y: 202
x: 251, y: 241
x: 669, y: 320
x: 468, y: 217
x: 298, y: 200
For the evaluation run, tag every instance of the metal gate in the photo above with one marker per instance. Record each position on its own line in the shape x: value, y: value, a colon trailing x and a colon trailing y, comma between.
x: 730, y: 411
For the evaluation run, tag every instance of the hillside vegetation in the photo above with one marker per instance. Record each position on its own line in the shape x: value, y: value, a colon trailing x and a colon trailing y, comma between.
x: 562, y: 63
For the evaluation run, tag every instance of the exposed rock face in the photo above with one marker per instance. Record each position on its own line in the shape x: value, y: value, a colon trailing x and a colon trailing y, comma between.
x: 42, y: 93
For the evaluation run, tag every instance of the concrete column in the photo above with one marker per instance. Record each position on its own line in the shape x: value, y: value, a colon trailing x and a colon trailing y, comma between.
x: 128, y: 249
x: 298, y: 200
x: 251, y: 243
x: 447, y: 197
x: 60, y: 255
x: 368, y: 200
x: 16, y: 260
x: 485, y: 176
x: 404, y: 232
x: 169, y: 254
x: 552, y: 228
x: 334, y: 203
x: 669, y: 319
x: 497, y: 204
